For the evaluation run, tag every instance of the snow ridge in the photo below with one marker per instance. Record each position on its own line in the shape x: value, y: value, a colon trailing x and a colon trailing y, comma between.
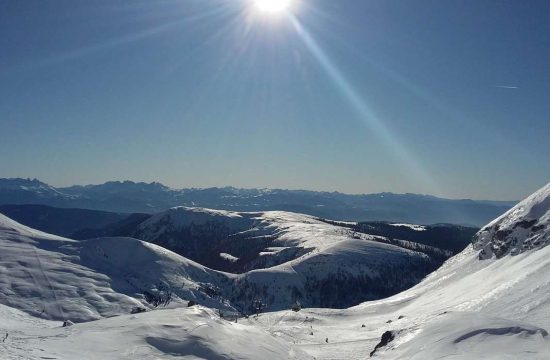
x: 524, y: 227
x: 468, y: 309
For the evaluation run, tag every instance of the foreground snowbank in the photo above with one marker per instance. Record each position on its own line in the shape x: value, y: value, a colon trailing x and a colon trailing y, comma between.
x: 188, y: 333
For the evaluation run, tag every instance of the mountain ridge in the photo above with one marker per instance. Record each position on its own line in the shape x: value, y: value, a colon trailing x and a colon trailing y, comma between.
x: 55, y: 277
x: 471, y: 307
x: 132, y: 197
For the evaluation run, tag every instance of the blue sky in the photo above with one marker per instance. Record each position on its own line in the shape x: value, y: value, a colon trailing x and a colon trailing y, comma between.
x: 450, y: 98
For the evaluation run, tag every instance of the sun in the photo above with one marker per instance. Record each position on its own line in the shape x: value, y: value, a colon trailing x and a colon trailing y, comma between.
x: 272, y: 7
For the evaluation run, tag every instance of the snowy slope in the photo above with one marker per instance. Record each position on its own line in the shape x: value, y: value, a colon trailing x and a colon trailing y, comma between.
x: 337, y: 270
x: 58, y: 278
x: 303, y: 259
x: 186, y: 333
x: 183, y: 216
x: 469, y: 308
x: 284, y: 257
x: 254, y: 240
x: 522, y: 228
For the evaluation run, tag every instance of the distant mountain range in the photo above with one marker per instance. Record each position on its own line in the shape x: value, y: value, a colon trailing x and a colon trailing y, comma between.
x: 132, y: 197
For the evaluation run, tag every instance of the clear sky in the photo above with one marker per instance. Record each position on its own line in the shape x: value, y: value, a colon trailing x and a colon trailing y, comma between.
x: 450, y: 98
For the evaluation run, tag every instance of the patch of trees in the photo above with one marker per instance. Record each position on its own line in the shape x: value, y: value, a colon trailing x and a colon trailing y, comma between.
x: 449, y: 237
x: 162, y: 295
x: 203, y: 243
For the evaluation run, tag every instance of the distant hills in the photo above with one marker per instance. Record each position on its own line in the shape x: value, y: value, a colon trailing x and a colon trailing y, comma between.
x: 275, y: 257
x: 61, y: 221
x: 139, y: 197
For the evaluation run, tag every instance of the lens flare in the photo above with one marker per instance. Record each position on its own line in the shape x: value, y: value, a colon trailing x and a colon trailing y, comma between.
x: 272, y: 6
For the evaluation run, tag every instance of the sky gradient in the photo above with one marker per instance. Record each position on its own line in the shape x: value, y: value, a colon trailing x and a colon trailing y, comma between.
x: 449, y: 98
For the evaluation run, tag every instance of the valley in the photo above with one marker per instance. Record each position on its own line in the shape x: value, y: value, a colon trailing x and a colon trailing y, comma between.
x: 475, y: 303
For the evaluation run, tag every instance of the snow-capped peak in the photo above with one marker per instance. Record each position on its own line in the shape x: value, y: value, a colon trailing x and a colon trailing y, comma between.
x: 29, y: 185
x: 524, y: 227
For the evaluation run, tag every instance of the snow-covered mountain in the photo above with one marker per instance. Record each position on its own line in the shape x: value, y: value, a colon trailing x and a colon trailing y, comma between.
x: 243, y: 241
x: 522, y: 228
x: 30, y: 191
x: 294, y: 257
x: 472, y: 307
x: 453, y: 238
x: 58, y: 278
x: 129, y: 197
x: 283, y: 257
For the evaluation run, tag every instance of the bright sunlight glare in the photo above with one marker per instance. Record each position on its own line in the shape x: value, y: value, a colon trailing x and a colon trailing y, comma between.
x: 272, y: 6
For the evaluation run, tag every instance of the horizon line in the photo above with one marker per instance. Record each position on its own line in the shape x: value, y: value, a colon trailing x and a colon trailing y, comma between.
x: 258, y: 188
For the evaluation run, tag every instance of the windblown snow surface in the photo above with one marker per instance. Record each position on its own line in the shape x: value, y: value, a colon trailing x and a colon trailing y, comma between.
x: 488, y: 307
x: 57, y: 278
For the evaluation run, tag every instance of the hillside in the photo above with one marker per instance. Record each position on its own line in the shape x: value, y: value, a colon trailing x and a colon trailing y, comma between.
x: 283, y: 257
x: 472, y: 307
x: 522, y: 228
x: 449, y: 237
x: 58, y: 278
x: 242, y: 241
x: 189, y: 333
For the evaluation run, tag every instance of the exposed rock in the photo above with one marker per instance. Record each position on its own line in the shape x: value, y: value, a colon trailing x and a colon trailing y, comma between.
x: 524, y: 227
x: 137, y: 310
x: 387, y: 337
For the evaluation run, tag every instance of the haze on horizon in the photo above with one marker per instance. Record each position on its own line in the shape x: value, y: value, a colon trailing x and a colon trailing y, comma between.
x: 443, y: 98
x: 179, y: 187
